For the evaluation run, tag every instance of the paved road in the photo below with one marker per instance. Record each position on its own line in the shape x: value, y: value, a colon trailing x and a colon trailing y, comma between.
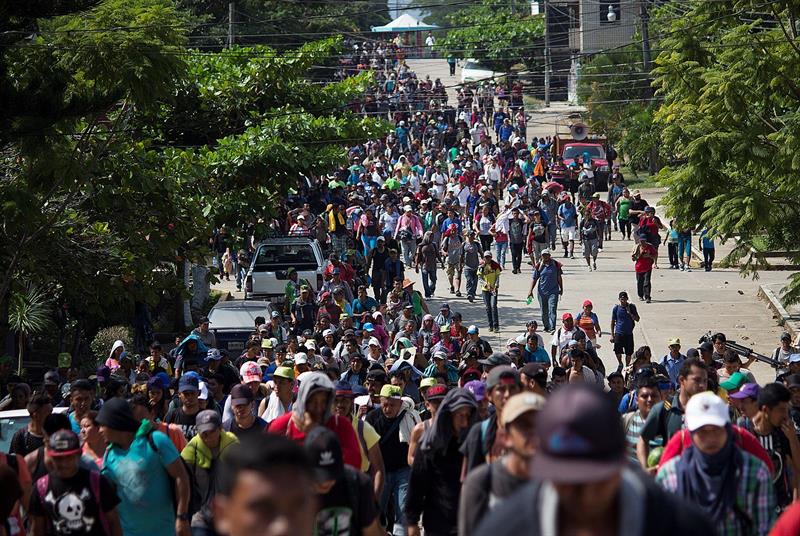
x: 685, y: 304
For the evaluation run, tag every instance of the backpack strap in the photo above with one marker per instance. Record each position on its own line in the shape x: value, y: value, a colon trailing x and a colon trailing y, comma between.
x: 94, y: 484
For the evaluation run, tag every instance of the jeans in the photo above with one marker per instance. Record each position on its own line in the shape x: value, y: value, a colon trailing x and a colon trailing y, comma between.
x: 408, y: 247
x: 486, y: 242
x: 516, y: 255
x: 369, y: 243
x: 549, y: 306
x: 684, y: 248
x: 395, y: 489
x: 625, y: 228
x: 708, y: 258
x: 643, y: 284
x: 552, y: 232
x: 429, y: 282
x: 490, y: 301
x: 502, y: 247
x: 672, y: 251
x: 471, y: 275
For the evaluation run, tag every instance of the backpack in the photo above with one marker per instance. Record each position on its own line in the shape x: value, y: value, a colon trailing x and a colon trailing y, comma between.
x: 195, y: 501
x: 94, y: 483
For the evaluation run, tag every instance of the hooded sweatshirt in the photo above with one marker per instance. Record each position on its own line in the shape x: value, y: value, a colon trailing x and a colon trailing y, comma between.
x: 185, y: 356
x: 435, y: 483
x: 285, y: 425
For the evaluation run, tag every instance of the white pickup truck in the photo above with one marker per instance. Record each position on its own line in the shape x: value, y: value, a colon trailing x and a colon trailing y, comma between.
x: 267, y: 275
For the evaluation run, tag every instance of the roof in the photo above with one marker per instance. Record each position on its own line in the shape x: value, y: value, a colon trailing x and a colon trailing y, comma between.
x: 405, y: 23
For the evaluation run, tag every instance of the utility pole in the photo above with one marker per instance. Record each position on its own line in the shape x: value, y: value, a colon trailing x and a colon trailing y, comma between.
x: 547, y: 52
x: 231, y: 23
x: 645, y: 17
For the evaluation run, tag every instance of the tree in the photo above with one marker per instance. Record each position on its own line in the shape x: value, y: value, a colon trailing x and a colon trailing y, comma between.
x: 728, y: 74
x: 29, y: 315
x: 491, y: 31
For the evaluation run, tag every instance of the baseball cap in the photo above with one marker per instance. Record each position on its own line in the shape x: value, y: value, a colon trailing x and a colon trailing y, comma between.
x: 203, y: 391
x: 344, y: 389
x: 300, y: 358
x: 284, y: 372
x: 250, y: 372
x: 736, y: 380
x: 63, y: 443
x: 241, y: 394
x: 708, y: 347
x: 207, y: 420
x: 427, y: 382
x: 566, y: 316
x: 546, y: 251
x: 472, y: 330
x: 213, y: 355
x: 521, y: 403
x: 440, y: 354
x: 369, y: 326
x: 794, y: 358
x: 786, y: 336
x: 477, y: 388
x: 311, y: 345
x: 325, y: 451
x: 580, y: 435
x: 706, y: 409
x: 751, y: 390
x: 587, y: 303
x: 534, y: 370
x: 377, y: 374
x: 675, y: 341
x: 51, y: 378
x: 374, y: 342
x: 436, y: 392
x: 188, y: 383
x: 444, y: 306
x: 487, y: 253
x: 502, y: 375
x: 496, y: 359
x: 391, y: 391
x: 623, y: 294
x: 266, y: 343
x: 792, y: 380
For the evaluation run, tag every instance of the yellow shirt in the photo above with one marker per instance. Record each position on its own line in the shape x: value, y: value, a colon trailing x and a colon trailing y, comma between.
x: 371, y: 437
x: 490, y: 276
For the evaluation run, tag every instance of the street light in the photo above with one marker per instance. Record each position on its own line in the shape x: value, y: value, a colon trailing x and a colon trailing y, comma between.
x: 612, y: 15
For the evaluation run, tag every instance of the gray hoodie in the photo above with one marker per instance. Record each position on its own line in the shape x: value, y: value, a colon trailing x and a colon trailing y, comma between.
x: 311, y: 382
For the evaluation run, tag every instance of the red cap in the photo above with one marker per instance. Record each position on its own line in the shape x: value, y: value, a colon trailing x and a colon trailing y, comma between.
x: 566, y: 315
x: 587, y: 303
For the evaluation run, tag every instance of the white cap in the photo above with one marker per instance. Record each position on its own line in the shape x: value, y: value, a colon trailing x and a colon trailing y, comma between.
x: 546, y: 251
x: 327, y: 332
x: 374, y: 342
x: 706, y: 409
x: 311, y: 344
x: 408, y: 208
x: 203, y: 391
x: 300, y: 358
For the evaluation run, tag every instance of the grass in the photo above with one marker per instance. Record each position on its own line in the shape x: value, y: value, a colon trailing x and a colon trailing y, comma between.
x: 640, y: 179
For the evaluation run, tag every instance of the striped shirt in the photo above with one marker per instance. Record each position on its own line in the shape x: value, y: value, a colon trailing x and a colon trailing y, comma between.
x: 755, y: 497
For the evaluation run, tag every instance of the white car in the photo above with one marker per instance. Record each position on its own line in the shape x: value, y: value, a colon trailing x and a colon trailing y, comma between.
x: 473, y: 72
x: 15, y: 419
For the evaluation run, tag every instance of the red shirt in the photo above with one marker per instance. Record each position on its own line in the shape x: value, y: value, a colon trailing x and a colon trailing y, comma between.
x: 343, y: 428
x: 788, y: 523
x: 647, y: 255
x: 744, y: 439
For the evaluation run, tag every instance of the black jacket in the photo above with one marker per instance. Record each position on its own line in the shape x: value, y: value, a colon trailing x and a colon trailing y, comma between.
x: 664, y: 513
x: 434, y: 488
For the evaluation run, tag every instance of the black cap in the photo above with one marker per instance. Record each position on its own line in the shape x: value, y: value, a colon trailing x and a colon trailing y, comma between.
x: 207, y: 420
x: 325, y: 452
x: 51, y: 378
x: 534, y: 370
x: 203, y: 320
x: 623, y: 294
x: 792, y: 380
x: 117, y: 415
x: 580, y: 436
x: 496, y: 359
x: 63, y: 443
x: 706, y: 347
x: 241, y: 394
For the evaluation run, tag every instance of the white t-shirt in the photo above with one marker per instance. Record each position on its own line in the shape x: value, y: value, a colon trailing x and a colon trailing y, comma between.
x: 562, y: 337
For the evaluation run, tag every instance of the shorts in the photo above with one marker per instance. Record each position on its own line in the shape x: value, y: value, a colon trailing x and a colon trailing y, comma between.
x: 569, y: 233
x: 452, y: 269
x: 623, y: 344
x: 591, y: 247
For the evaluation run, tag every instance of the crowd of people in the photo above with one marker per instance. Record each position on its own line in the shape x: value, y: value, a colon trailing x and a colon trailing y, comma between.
x: 358, y: 408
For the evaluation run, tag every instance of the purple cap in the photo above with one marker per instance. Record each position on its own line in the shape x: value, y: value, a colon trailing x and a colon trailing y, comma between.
x: 748, y: 390
x: 477, y: 388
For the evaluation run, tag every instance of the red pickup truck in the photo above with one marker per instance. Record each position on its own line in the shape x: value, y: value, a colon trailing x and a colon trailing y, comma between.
x: 594, y: 148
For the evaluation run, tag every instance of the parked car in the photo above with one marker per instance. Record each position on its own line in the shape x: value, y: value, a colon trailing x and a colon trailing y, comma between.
x: 15, y: 419
x: 273, y: 257
x: 232, y: 322
x: 472, y: 72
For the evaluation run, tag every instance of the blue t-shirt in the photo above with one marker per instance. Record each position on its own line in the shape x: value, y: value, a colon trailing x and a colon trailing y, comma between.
x: 623, y: 322
x: 143, y: 485
x: 537, y: 356
x: 548, y: 277
x: 569, y: 216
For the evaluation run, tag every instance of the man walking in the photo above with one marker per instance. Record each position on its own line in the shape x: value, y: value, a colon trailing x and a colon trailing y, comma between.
x: 472, y: 254
x: 489, y: 273
x: 623, y: 318
x: 548, y: 274
x: 644, y: 256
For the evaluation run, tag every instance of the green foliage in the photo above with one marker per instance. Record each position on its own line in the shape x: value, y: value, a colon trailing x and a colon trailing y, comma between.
x: 28, y: 315
x: 728, y: 77
x: 491, y: 31
x: 105, y: 339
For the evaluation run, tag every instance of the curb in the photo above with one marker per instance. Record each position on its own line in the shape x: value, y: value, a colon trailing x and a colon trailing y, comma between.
x: 784, y: 318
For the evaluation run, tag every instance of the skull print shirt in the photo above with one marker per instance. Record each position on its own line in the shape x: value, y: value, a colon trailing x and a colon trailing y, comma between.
x: 70, y: 507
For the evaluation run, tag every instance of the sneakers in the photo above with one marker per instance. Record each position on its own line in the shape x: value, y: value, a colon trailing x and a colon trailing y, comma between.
x: 452, y: 290
x: 491, y: 328
x: 590, y: 268
x: 458, y: 293
x: 647, y: 300
x: 594, y: 266
x: 688, y: 269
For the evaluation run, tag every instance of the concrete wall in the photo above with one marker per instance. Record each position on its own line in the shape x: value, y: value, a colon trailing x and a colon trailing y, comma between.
x: 597, y: 34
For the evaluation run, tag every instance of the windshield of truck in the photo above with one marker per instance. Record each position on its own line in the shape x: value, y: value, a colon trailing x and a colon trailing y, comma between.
x: 595, y: 151
x: 272, y: 257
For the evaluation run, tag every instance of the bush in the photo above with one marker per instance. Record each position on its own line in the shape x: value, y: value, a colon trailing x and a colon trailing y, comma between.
x: 104, y: 340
